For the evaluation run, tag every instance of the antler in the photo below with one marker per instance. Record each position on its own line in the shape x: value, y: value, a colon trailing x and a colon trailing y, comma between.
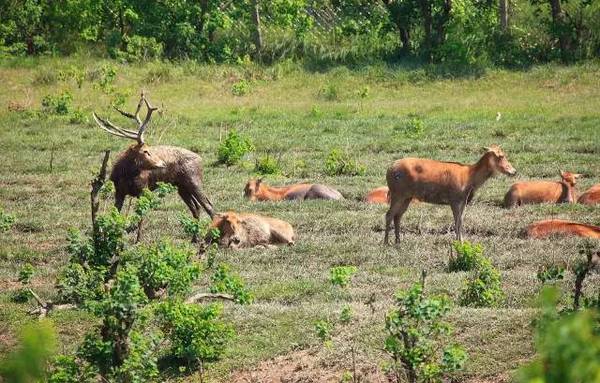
x: 126, y: 133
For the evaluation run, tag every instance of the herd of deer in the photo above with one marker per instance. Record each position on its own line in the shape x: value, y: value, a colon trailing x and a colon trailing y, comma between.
x: 446, y: 183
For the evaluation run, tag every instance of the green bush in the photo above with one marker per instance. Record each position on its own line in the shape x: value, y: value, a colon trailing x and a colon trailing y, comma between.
x: 550, y: 274
x: 233, y: 148
x: 412, y: 128
x: 346, y: 314
x: 240, y: 88
x: 21, y: 295
x: 339, y: 163
x: 341, y: 275
x: 6, y: 221
x: 417, y: 338
x: 330, y: 92
x: 568, y: 346
x: 57, y: 104
x: 468, y: 256
x: 483, y: 287
x: 323, y: 329
x: 26, y: 273
x: 266, y: 165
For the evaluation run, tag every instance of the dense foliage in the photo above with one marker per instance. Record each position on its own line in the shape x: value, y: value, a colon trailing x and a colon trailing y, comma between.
x: 451, y: 32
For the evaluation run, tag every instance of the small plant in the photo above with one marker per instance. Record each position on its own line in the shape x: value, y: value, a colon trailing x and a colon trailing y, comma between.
x: 346, y: 315
x: 20, y: 295
x: 233, y: 148
x: 363, y: 92
x: 240, y: 88
x: 483, y: 287
x: 412, y: 128
x: 417, y: 338
x: 57, y: 104
x: 330, y: 92
x: 315, y: 111
x: 467, y: 257
x: 77, y: 117
x: 6, y: 221
x: 26, y: 273
x: 267, y: 165
x: 551, y: 274
x: 106, y: 76
x: 323, y: 329
x: 341, y: 275
x: 339, y: 163
x: 224, y: 282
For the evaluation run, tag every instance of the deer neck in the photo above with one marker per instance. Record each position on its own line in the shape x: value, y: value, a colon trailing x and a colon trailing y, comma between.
x: 568, y: 191
x: 269, y: 193
x: 479, y: 173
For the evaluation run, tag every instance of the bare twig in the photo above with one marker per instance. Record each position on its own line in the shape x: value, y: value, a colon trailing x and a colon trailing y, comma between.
x: 200, y: 296
x: 45, y: 308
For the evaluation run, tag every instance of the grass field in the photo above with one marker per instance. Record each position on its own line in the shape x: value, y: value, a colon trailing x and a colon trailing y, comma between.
x: 550, y: 119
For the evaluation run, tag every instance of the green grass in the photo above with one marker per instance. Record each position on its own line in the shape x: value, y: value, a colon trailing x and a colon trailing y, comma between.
x: 550, y: 120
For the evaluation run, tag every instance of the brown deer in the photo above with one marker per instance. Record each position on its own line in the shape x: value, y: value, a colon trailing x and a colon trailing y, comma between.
x: 562, y: 191
x: 143, y: 166
x: 444, y: 183
x: 239, y: 230
x: 377, y: 195
x: 559, y: 227
x: 257, y: 190
x: 591, y: 196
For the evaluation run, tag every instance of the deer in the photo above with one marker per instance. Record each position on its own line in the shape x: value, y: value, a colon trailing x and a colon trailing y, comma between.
x: 377, y: 195
x: 240, y: 230
x: 559, y: 227
x: 591, y: 196
x: 443, y: 183
x: 142, y: 166
x: 257, y: 190
x: 530, y: 192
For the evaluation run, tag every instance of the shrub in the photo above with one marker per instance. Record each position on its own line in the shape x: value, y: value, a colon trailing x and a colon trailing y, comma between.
x: 468, y: 256
x: 267, y: 165
x: 330, y: 92
x: 240, y: 88
x: 341, y: 275
x: 20, y: 295
x: 417, y: 338
x: 568, y: 346
x: 6, y: 221
x: 57, y: 104
x: 323, y: 329
x: 346, y: 314
x: 483, y: 287
x: 340, y: 163
x: 26, y: 273
x: 140, y: 48
x: 412, y: 128
x: 77, y: 117
x: 550, y: 274
x: 233, y: 148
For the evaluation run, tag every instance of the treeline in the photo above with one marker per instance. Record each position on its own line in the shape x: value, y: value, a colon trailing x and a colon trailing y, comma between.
x: 455, y: 32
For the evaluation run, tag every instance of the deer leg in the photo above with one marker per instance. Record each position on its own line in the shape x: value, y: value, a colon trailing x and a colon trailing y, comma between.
x: 397, y: 218
x: 397, y: 208
x: 200, y: 198
x: 119, y: 199
x: 458, y: 209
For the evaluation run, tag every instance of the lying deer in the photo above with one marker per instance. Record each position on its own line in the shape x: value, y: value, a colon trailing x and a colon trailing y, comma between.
x: 558, y: 227
x: 562, y: 191
x: 143, y: 166
x: 238, y: 230
x: 257, y: 190
x: 377, y: 195
x: 445, y: 183
x: 591, y: 196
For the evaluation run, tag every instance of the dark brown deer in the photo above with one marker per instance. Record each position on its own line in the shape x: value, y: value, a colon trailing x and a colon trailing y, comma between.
x: 444, y: 183
x: 143, y: 166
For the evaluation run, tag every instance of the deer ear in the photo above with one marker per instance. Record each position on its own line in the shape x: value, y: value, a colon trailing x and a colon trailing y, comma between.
x: 259, y: 181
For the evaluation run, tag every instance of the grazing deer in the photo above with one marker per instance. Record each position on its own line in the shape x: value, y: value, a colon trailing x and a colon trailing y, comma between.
x: 377, y: 195
x: 559, y: 227
x: 562, y: 191
x: 444, y: 183
x: 257, y: 190
x: 238, y: 230
x: 143, y: 166
x: 591, y: 196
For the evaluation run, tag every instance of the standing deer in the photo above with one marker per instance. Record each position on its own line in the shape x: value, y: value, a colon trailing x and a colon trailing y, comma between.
x: 444, y: 183
x: 143, y: 166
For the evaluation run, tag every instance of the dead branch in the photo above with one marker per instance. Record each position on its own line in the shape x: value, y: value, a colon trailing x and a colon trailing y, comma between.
x: 45, y: 308
x: 200, y: 296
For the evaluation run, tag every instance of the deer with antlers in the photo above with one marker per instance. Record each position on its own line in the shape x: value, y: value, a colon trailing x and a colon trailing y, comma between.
x: 143, y: 166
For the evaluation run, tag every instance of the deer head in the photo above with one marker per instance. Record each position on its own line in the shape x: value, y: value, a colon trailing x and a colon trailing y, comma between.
x: 230, y: 227
x: 569, y: 178
x: 141, y: 153
x: 252, y: 188
x: 498, y: 161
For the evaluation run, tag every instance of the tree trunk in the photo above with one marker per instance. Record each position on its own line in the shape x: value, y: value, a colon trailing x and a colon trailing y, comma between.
x: 443, y: 21
x: 257, y: 33
x: 405, y: 38
x: 427, y: 24
x: 558, y: 23
x: 503, y: 14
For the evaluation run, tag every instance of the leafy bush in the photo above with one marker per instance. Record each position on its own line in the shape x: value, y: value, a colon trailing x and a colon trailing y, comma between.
x: 20, y: 295
x: 240, y: 88
x: 224, y: 282
x: 483, y: 287
x: 77, y: 117
x: 140, y: 48
x: 412, y: 128
x: 6, y: 221
x: 26, y: 273
x: 341, y: 275
x: 550, y: 274
x: 568, y: 346
x: 340, y: 163
x: 267, y: 165
x: 323, y: 329
x: 346, y: 314
x: 28, y: 362
x: 417, y: 338
x: 330, y: 92
x: 233, y: 148
x: 468, y: 256
x: 57, y: 104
